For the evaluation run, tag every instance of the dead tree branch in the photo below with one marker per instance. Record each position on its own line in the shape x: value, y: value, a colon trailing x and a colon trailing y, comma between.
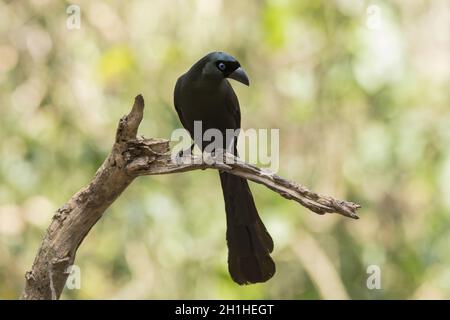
x: 132, y: 157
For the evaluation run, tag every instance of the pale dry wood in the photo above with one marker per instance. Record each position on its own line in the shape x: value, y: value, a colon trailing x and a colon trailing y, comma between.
x: 131, y: 157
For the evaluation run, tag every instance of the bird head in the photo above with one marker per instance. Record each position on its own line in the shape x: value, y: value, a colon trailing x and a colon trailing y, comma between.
x: 220, y: 65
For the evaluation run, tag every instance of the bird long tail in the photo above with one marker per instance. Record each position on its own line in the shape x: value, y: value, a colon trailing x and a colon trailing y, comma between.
x: 249, y: 243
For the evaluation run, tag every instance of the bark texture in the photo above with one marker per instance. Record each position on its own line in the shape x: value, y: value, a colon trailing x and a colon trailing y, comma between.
x: 131, y: 157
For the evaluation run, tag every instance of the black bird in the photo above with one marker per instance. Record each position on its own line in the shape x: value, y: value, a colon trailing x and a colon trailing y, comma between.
x: 204, y: 94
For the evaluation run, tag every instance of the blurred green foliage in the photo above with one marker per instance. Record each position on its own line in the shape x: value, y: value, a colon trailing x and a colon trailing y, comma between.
x: 363, y: 107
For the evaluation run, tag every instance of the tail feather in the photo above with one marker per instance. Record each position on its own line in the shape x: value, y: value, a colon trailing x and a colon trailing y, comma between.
x: 249, y: 243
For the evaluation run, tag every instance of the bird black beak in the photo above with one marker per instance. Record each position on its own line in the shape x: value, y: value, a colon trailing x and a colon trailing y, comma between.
x: 240, y: 75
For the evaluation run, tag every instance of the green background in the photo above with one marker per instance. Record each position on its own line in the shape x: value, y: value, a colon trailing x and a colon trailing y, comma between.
x: 358, y: 89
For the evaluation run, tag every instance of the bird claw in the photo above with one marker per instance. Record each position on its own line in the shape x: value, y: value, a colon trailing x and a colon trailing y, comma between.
x: 183, y: 154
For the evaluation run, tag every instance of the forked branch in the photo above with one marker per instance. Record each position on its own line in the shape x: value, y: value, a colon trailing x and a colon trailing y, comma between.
x: 132, y: 157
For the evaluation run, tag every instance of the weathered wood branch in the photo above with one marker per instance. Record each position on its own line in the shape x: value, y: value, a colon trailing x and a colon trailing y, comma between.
x: 132, y: 157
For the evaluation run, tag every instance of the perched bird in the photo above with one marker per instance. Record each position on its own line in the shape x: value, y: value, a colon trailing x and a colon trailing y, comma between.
x: 204, y: 94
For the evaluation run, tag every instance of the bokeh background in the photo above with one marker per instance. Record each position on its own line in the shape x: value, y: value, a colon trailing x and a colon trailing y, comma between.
x: 359, y: 91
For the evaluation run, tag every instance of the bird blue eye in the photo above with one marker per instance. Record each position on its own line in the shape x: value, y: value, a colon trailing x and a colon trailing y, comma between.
x: 222, y: 66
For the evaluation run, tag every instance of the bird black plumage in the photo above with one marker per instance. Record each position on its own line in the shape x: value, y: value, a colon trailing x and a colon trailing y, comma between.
x: 204, y: 94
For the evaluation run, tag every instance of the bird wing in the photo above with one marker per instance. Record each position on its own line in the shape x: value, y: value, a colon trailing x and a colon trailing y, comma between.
x: 177, y: 102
